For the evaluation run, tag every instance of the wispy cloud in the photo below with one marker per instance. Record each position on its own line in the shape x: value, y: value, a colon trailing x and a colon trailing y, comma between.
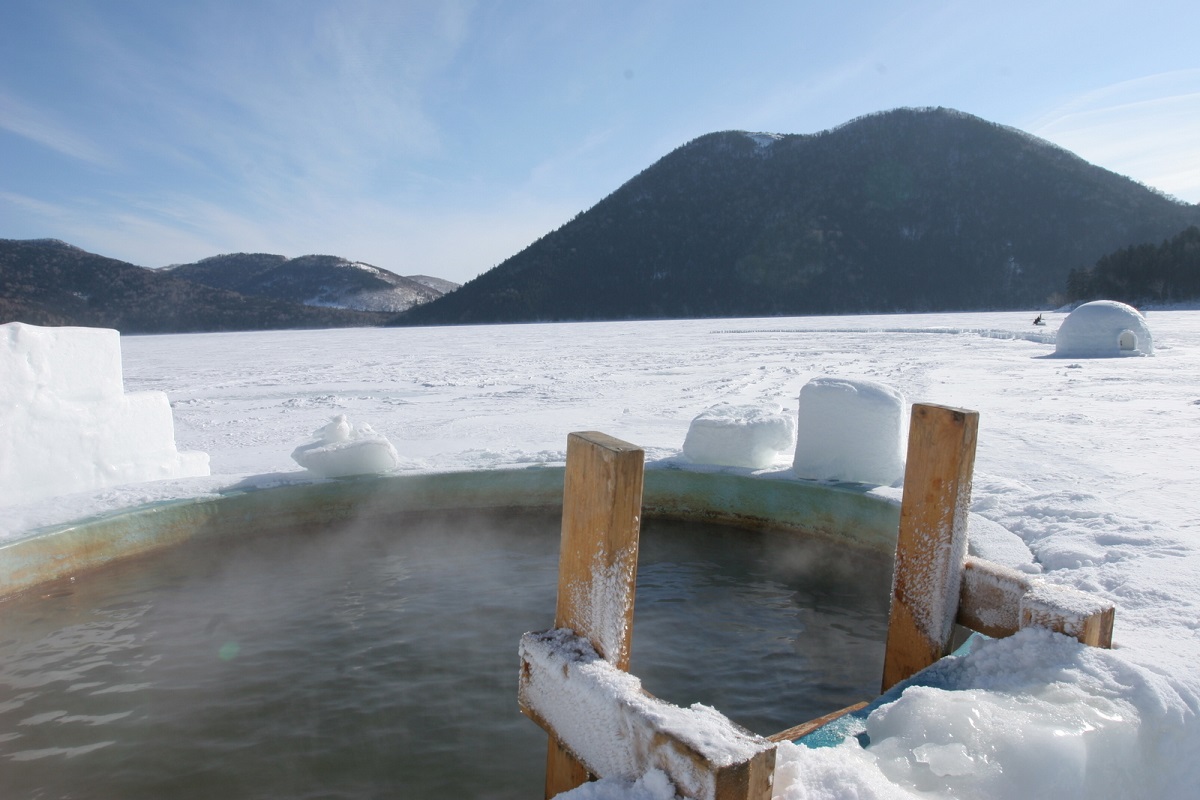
x: 29, y: 122
x: 254, y: 101
x: 1148, y: 128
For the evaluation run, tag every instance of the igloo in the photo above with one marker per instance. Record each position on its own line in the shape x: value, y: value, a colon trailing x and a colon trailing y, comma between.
x: 1103, y: 329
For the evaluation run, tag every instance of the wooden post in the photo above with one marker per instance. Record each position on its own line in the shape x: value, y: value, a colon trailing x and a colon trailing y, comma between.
x: 597, y: 563
x: 932, y: 541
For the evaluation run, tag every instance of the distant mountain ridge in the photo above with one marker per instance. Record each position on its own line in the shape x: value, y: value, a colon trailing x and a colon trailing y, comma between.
x: 906, y: 210
x: 313, y: 280
x: 51, y: 282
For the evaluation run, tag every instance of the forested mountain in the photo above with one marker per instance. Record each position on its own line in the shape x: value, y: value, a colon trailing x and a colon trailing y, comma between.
x: 1144, y: 273
x: 913, y: 209
x: 313, y: 281
x: 48, y: 282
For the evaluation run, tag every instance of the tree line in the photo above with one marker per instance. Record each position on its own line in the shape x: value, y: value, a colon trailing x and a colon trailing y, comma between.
x: 1143, y: 273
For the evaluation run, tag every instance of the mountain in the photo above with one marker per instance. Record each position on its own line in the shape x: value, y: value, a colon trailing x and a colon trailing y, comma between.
x: 440, y: 285
x: 48, y: 282
x: 314, y: 280
x: 906, y: 210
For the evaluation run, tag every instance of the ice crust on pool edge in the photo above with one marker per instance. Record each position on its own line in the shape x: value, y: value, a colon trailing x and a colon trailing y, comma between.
x: 66, y: 423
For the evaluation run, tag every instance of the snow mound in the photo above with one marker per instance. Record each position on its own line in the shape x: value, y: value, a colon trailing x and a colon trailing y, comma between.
x: 1104, y: 329
x: 849, y: 430
x: 66, y: 423
x: 739, y: 436
x: 340, y: 449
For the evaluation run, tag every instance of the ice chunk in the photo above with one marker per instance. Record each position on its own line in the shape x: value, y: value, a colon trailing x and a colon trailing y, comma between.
x: 340, y: 449
x: 849, y: 430
x: 739, y: 436
x: 1104, y: 328
x: 66, y: 423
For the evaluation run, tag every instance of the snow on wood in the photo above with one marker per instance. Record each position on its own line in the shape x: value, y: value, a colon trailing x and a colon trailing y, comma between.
x: 999, y: 601
x: 1070, y: 611
x: 617, y: 730
x: 990, y: 597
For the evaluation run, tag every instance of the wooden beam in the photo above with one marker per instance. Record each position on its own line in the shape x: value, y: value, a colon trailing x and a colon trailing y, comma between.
x: 932, y: 541
x: 805, y: 728
x: 618, y: 730
x: 999, y: 601
x: 990, y: 597
x: 1069, y: 611
x: 597, y: 563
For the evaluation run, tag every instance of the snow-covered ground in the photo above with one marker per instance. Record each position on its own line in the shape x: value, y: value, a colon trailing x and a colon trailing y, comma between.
x: 1092, y: 462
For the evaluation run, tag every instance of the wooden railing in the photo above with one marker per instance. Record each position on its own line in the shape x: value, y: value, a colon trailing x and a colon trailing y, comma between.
x: 574, y: 680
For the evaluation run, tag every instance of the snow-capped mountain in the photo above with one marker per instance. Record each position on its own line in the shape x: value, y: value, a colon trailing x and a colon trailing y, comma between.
x: 314, y: 280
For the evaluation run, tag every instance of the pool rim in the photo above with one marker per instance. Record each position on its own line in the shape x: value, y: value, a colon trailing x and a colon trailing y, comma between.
x: 852, y: 514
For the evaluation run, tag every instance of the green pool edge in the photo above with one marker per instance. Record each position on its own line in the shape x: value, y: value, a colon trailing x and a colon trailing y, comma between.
x: 848, y: 513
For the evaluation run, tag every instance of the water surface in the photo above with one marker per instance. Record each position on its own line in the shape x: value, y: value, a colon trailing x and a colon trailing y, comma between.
x: 367, y: 662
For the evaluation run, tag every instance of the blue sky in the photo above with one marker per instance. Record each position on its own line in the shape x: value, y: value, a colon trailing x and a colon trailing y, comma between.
x: 441, y: 137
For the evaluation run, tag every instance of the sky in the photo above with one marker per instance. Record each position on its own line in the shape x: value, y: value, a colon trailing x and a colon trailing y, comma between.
x: 441, y: 137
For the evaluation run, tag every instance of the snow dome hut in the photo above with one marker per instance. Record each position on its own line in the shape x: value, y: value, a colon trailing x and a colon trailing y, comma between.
x: 1103, y: 329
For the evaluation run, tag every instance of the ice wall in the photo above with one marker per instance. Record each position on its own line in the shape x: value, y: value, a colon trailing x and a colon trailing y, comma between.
x: 66, y: 423
x: 849, y: 430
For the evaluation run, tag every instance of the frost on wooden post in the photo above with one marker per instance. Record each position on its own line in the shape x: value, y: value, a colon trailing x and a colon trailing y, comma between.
x: 617, y: 730
x: 932, y: 541
x: 602, y: 502
x: 603, y: 604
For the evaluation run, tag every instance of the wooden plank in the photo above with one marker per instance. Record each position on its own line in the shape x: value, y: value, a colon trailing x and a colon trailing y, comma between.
x: 805, y: 728
x: 999, y: 601
x: 562, y: 769
x: 747, y: 780
x: 932, y: 541
x: 1069, y: 611
x: 618, y: 730
x: 597, y: 563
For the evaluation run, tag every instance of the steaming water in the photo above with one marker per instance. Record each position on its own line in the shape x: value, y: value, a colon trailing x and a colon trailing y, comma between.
x: 362, y: 663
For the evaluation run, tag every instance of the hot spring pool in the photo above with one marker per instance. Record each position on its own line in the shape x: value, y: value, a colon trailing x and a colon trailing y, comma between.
x: 357, y: 661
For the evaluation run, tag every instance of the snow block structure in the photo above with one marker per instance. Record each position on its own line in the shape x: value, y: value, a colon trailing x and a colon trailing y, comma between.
x: 849, y: 430
x: 341, y: 449
x: 1104, y: 329
x: 739, y: 436
x: 66, y: 423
